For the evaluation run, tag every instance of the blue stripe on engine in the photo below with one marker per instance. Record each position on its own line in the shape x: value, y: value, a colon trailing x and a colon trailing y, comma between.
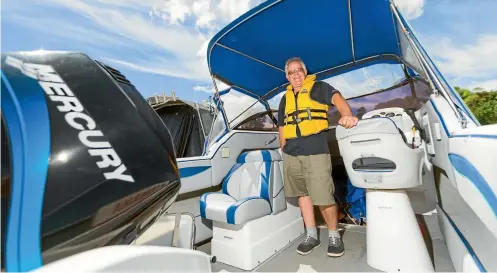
x: 27, y: 119
x: 10, y: 109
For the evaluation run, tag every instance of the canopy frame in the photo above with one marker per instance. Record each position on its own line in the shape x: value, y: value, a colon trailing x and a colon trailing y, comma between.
x: 435, y: 84
x: 431, y: 74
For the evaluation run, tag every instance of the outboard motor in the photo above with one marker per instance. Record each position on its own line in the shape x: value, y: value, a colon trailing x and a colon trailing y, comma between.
x: 86, y: 162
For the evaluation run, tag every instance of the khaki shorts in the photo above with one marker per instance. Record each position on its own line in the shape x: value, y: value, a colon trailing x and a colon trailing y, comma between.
x: 309, y: 175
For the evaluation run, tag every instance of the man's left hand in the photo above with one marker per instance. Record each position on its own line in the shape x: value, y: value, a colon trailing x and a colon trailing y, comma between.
x: 348, y: 121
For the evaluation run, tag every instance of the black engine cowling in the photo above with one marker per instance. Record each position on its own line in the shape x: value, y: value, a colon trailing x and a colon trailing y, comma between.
x: 86, y: 162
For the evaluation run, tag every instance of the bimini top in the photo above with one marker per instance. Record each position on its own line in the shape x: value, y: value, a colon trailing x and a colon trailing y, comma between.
x: 331, y: 37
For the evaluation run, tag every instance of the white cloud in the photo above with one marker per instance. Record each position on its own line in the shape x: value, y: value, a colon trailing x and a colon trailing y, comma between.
x: 67, y: 31
x: 175, y: 46
x: 173, y: 11
x: 209, y: 88
x: 181, y: 29
x: 410, y: 9
x: 477, y: 60
x: 205, y: 16
x: 486, y: 85
x: 130, y: 3
x: 154, y: 68
x: 204, y: 88
x: 131, y: 25
x: 231, y: 9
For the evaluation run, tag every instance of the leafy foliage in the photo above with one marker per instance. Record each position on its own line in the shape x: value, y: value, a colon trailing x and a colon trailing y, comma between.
x: 482, y: 103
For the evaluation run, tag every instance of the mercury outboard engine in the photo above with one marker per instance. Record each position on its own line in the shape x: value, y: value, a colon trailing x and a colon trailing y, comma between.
x: 86, y: 162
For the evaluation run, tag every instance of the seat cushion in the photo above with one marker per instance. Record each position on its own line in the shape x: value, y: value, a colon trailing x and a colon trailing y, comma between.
x: 221, y: 207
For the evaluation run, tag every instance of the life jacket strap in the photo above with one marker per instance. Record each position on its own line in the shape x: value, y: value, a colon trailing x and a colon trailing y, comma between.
x: 309, y: 111
x: 297, y: 121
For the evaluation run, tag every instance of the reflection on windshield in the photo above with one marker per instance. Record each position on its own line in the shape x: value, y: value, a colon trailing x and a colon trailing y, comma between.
x: 397, y: 97
x: 367, y: 80
x: 260, y: 122
x: 236, y: 105
x: 239, y: 107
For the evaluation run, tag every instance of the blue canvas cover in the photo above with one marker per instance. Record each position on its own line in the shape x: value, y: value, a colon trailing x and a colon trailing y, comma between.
x: 330, y: 36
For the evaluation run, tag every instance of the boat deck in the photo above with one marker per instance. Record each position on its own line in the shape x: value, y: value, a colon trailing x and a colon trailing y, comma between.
x: 354, y: 259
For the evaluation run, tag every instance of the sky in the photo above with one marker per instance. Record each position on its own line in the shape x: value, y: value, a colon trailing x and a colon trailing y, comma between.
x: 160, y: 45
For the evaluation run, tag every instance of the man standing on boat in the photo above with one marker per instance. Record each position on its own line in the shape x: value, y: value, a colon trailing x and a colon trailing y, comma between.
x: 303, y: 124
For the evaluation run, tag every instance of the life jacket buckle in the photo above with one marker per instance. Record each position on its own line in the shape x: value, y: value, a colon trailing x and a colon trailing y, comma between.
x: 309, y: 113
x: 296, y: 117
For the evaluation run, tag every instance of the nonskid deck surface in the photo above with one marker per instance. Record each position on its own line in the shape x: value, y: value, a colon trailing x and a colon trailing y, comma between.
x: 354, y: 259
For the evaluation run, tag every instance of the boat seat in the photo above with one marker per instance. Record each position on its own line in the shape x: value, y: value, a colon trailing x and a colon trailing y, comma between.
x: 251, y: 189
x: 375, y: 155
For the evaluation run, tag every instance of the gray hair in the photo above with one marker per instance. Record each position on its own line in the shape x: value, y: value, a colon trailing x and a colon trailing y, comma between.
x: 295, y: 59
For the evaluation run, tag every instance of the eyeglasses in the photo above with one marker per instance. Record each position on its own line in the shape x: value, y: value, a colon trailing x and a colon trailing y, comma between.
x: 297, y: 70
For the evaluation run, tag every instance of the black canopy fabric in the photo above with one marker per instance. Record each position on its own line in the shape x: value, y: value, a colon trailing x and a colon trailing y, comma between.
x: 184, y: 123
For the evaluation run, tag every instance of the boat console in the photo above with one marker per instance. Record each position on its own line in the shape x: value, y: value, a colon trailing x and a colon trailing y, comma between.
x: 378, y: 156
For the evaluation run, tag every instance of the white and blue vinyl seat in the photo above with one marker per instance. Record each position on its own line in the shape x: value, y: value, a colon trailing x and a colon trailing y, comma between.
x: 252, y: 189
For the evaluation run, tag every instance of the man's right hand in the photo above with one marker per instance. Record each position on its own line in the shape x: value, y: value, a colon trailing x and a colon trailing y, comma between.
x: 348, y: 121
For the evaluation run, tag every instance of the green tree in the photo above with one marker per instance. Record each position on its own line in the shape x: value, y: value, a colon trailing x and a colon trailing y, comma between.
x: 483, y: 104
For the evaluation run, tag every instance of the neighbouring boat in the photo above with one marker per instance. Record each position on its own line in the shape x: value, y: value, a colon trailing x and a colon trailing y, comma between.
x: 188, y: 122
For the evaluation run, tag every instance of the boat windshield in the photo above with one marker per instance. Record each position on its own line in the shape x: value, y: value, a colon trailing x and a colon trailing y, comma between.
x: 366, y: 89
x: 239, y: 106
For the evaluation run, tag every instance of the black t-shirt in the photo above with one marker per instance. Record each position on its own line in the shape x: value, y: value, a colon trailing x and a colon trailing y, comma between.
x: 314, y: 144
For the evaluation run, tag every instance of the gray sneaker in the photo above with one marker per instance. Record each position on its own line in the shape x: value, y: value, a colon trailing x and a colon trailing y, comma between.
x: 335, y: 247
x: 308, y: 245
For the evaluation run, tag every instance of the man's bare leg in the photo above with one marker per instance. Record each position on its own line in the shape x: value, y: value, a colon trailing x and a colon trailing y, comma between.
x: 330, y: 215
x: 307, y: 210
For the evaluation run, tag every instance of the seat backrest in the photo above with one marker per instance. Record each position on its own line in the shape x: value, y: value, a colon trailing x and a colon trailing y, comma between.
x: 251, y: 175
x: 376, y: 156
